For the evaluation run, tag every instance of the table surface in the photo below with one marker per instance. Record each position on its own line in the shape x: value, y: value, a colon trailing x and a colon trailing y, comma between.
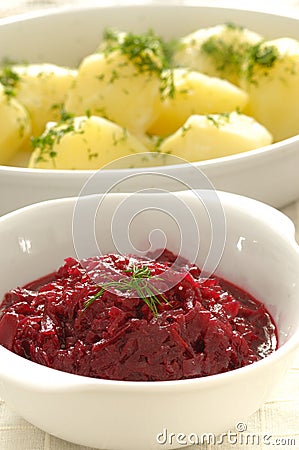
x: 279, y: 416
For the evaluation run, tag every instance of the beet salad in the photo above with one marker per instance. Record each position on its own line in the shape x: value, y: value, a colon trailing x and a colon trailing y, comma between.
x: 131, y: 318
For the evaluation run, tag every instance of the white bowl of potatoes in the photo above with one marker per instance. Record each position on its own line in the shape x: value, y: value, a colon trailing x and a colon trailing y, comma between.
x: 147, y: 89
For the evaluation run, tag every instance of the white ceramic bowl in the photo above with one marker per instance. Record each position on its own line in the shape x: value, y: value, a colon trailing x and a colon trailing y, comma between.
x: 260, y: 255
x: 268, y: 174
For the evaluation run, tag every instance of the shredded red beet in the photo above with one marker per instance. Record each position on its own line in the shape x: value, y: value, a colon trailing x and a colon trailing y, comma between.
x: 202, y: 327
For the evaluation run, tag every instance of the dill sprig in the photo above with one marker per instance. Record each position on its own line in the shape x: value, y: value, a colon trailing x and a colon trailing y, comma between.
x: 138, y: 282
x: 147, y: 51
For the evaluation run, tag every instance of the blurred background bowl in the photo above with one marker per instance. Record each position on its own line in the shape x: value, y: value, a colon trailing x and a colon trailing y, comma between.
x: 268, y: 174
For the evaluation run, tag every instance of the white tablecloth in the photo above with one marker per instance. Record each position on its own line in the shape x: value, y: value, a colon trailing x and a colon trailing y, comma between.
x: 278, y: 419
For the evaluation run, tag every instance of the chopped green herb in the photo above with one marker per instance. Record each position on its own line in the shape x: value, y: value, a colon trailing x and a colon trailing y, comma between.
x: 234, y: 55
x: 167, y: 87
x: 169, y: 48
x: 52, y: 136
x: 58, y: 106
x: 233, y: 26
x: 65, y: 116
x: 148, y: 52
x: 119, y: 139
x: 185, y: 129
x: 91, y: 155
x: 227, y: 56
x: 157, y: 140
x: 218, y: 120
x: 22, y: 125
x: 100, y: 77
x: 260, y: 56
x: 9, y: 78
x: 114, y: 76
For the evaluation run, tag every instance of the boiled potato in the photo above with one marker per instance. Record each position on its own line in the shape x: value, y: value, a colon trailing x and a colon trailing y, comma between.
x: 42, y: 88
x: 15, y: 126
x: 216, y: 51
x: 271, y: 78
x: 83, y: 143
x: 196, y: 93
x: 212, y: 136
x: 112, y: 86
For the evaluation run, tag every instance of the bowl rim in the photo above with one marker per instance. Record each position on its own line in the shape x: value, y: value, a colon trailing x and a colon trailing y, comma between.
x: 72, y: 382
x: 251, y: 155
x: 126, y: 4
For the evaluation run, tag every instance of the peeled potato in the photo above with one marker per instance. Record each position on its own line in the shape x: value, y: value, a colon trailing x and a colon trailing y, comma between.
x: 83, y: 143
x: 217, y: 51
x: 196, y: 93
x: 215, y: 135
x: 112, y: 86
x: 272, y: 82
x: 15, y: 126
x: 42, y: 88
